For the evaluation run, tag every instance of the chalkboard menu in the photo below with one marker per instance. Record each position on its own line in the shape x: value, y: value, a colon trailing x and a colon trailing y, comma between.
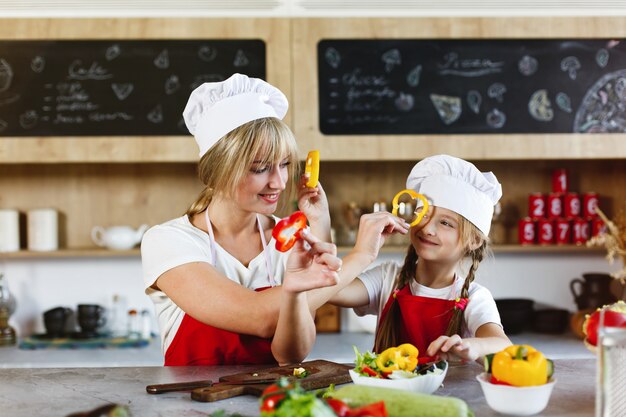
x: 112, y: 87
x: 472, y: 86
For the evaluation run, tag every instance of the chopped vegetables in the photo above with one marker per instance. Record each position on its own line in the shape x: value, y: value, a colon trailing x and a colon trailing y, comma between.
x: 287, y: 231
x: 393, y: 363
x: 300, y: 373
x: 403, y: 358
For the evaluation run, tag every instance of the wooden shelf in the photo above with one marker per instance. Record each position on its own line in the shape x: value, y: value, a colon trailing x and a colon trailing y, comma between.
x: 509, y: 248
x: 72, y: 253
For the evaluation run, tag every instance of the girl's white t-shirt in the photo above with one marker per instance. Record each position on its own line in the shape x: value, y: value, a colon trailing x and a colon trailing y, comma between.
x: 379, y: 281
x: 178, y: 242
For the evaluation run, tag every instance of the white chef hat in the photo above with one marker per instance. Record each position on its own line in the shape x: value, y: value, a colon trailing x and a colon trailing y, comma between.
x: 457, y: 185
x: 214, y: 109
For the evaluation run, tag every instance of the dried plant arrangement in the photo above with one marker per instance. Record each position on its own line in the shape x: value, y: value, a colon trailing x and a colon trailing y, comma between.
x: 614, y: 240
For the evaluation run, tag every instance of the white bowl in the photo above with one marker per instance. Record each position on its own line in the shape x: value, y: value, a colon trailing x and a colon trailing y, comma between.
x: 515, y: 401
x: 426, y: 384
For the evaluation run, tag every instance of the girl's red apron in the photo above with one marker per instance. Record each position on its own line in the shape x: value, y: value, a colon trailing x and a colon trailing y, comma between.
x: 423, y: 319
x: 196, y: 343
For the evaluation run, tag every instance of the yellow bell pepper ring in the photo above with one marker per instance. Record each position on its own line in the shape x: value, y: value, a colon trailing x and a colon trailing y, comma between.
x: 312, y: 168
x: 403, y: 357
x: 521, y: 366
x: 415, y: 196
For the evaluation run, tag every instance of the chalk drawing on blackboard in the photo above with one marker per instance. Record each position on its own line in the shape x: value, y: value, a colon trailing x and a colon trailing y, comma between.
x: 172, y: 84
x: 38, y: 64
x: 602, y: 58
x: 332, y: 57
x: 9, y: 99
x: 156, y: 114
x: 602, y: 109
x: 93, y: 71
x: 404, y: 102
x: 468, y: 67
x: 207, y: 53
x: 198, y: 80
x: 448, y: 107
x: 162, y: 61
x: 496, y: 119
x: 391, y: 58
x: 497, y: 90
x: 241, y: 60
x: 29, y: 119
x: 540, y: 107
x: 413, y: 78
x: 110, y: 117
x: 6, y: 75
x: 112, y: 52
x: 474, y: 98
x: 3, y: 125
x: 122, y: 90
x: 563, y: 102
x: 527, y: 65
x: 571, y: 65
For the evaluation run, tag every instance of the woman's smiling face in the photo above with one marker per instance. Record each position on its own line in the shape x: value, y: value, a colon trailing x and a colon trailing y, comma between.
x: 437, y: 237
x: 261, y: 188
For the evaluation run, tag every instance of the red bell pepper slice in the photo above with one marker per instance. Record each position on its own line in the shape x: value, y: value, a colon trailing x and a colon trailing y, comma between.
x: 287, y: 231
x: 496, y: 381
x: 339, y: 407
x: 371, y: 410
x: 369, y: 371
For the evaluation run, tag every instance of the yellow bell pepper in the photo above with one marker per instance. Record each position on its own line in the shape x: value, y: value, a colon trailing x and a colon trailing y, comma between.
x: 521, y: 366
x: 312, y: 168
x: 403, y: 357
x: 414, y: 195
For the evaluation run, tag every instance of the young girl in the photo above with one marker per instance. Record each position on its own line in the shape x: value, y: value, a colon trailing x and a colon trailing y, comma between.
x: 425, y: 301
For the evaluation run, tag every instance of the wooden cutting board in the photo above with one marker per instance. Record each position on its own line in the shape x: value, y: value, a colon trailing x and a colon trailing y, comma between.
x: 321, y: 374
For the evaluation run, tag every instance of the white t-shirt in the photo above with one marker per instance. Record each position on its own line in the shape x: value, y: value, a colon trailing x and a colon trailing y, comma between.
x: 178, y: 242
x: 379, y: 281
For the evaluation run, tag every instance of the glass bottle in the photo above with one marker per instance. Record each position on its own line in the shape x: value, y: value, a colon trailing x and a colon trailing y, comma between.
x: 7, y: 307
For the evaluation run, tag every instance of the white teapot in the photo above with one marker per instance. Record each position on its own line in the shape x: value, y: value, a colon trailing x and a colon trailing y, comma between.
x: 118, y: 237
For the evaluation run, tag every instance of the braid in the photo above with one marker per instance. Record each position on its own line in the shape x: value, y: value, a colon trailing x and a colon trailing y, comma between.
x: 386, y: 335
x: 457, y: 320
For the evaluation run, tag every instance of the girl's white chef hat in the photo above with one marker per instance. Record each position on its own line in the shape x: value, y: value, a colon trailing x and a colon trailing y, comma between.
x: 457, y: 185
x: 214, y: 109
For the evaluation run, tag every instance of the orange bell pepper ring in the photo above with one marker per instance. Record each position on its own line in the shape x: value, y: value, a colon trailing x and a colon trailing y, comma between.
x: 312, y: 168
x: 287, y: 231
x: 415, y: 196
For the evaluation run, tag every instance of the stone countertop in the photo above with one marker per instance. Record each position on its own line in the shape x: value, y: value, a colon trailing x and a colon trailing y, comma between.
x: 59, y: 392
x: 335, y: 347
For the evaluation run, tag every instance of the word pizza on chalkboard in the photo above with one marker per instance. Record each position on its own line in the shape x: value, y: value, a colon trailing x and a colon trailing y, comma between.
x: 112, y: 87
x: 472, y: 86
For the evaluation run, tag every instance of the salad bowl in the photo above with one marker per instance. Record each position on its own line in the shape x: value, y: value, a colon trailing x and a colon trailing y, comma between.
x: 426, y: 383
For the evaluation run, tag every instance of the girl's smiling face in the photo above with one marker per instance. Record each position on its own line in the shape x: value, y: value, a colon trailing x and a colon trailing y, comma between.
x: 261, y: 188
x: 437, y: 237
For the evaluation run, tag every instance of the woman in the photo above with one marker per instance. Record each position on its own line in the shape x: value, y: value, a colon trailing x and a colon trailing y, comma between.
x: 213, y: 273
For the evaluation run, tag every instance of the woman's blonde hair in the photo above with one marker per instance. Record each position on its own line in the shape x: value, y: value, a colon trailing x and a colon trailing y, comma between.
x: 226, y: 164
x: 387, y: 334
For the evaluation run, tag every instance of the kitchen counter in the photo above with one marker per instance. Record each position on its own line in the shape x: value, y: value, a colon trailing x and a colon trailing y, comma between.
x: 59, y: 392
x: 335, y: 347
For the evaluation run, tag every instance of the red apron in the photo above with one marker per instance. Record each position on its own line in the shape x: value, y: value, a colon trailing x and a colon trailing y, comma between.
x: 197, y: 343
x: 423, y: 319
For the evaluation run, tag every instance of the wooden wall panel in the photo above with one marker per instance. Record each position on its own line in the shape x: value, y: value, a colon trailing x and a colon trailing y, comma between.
x: 308, y: 32
x: 275, y: 32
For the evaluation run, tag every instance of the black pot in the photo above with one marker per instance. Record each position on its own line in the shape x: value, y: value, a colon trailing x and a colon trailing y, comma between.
x: 516, y: 314
x: 550, y: 320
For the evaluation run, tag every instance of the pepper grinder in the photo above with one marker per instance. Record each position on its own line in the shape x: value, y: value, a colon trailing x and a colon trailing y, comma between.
x: 7, y: 307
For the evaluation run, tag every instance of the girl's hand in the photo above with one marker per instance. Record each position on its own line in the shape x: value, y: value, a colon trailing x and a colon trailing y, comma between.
x: 452, y: 347
x: 313, y: 202
x: 374, y: 228
x: 311, y: 264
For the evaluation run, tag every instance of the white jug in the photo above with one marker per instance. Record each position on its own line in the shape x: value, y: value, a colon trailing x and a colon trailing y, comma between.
x: 118, y: 237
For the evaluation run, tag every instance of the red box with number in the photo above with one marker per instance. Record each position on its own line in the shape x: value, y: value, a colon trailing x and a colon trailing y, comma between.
x: 590, y: 202
x: 555, y: 206
x: 560, y: 181
x: 580, y: 231
x: 571, y: 205
x: 562, y: 231
x: 545, y: 232
x: 597, y: 226
x: 536, y: 206
x: 526, y: 231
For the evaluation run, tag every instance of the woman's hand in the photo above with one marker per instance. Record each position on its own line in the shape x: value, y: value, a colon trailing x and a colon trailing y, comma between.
x: 374, y: 228
x: 313, y: 202
x: 311, y: 264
